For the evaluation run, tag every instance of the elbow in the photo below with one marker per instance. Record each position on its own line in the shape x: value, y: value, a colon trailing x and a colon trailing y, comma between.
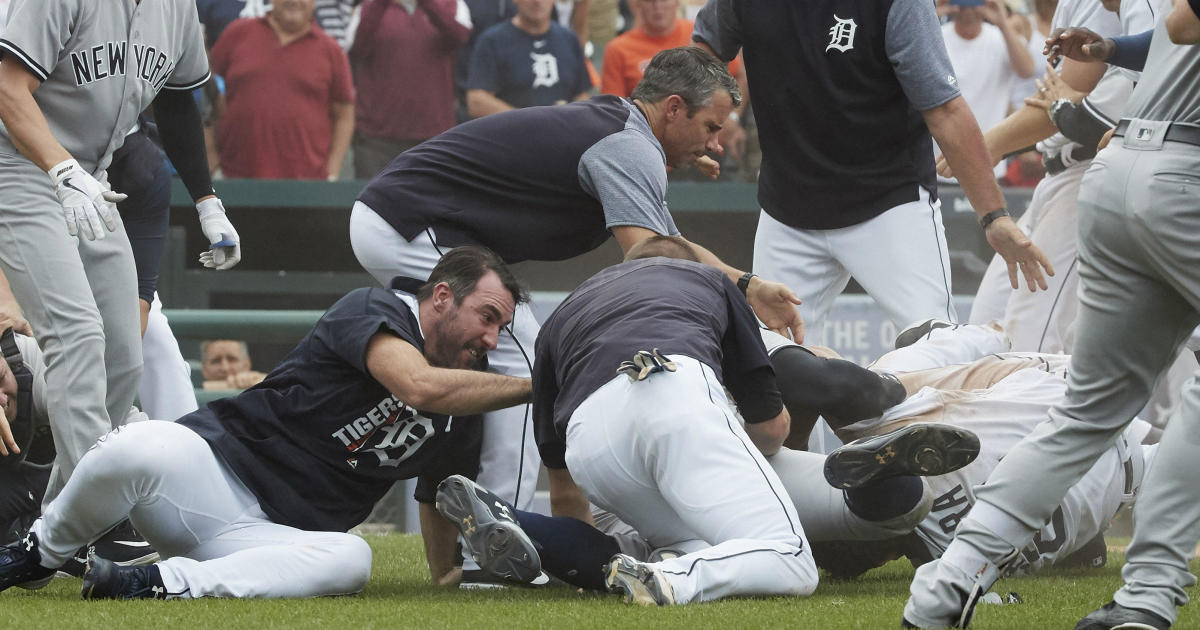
x: 475, y: 106
x: 1181, y: 32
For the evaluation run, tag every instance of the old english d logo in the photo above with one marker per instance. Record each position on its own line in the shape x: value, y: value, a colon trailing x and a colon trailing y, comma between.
x: 841, y: 34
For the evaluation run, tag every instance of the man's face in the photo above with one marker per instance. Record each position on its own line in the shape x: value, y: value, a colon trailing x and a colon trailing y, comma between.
x: 8, y: 391
x: 968, y: 16
x: 463, y: 333
x: 658, y: 16
x: 535, y: 10
x: 222, y: 359
x: 686, y: 138
x: 293, y: 11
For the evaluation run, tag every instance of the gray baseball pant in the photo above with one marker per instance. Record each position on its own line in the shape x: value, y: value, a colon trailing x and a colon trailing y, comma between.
x: 1139, y: 301
x: 81, y: 300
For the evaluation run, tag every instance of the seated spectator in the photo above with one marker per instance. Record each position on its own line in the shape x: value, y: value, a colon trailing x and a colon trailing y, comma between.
x: 402, y: 53
x: 226, y: 365
x: 988, y: 56
x: 528, y: 61
x: 289, y: 110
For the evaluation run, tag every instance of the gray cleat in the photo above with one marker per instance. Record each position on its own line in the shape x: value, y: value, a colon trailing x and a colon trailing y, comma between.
x: 921, y: 449
x: 489, y: 530
x: 639, y: 583
x: 1113, y: 616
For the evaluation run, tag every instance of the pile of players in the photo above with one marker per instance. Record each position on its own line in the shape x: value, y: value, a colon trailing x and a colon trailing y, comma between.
x: 655, y: 395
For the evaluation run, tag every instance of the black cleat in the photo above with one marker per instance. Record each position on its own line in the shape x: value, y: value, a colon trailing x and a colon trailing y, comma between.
x: 921, y: 449
x: 916, y: 331
x: 20, y: 565
x: 123, y: 545
x: 489, y: 529
x: 104, y: 579
x: 1113, y: 616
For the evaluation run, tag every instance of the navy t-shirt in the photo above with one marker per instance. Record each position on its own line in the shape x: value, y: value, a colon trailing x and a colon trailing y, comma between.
x: 320, y: 441
x: 541, y: 183
x: 525, y: 70
x: 677, y: 306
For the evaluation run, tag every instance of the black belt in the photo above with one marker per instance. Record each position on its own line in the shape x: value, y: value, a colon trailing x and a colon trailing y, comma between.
x: 1176, y: 132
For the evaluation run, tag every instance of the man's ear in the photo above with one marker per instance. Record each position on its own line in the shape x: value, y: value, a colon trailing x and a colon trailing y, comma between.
x: 442, y: 297
x: 674, y: 106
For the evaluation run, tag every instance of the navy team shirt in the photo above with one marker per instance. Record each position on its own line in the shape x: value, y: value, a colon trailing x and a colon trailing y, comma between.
x: 525, y: 70
x: 320, y: 441
x: 540, y: 183
x: 677, y: 306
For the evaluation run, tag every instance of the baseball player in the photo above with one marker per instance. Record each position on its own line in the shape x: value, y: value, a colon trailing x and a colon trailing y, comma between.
x: 629, y: 383
x: 277, y: 474
x: 847, y: 97
x: 1138, y: 272
x: 73, y: 79
x: 551, y: 183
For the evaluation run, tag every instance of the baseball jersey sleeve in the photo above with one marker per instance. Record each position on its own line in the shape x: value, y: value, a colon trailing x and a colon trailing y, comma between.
x: 628, y: 178
x: 718, y: 25
x: 191, y: 71
x: 745, y: 364
x: 346, y: 330
x: 913, y: 43
x: 37, y: 31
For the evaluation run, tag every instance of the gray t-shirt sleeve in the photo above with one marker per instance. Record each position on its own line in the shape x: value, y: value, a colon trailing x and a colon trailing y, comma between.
x: 913, y: 42
x: 625, y: 172
x: 191, y: 71
x: 37, y: 32
x: 718, y: 26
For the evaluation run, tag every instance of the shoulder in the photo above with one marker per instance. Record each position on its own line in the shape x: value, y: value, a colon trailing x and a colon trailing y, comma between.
x: 497, y: 32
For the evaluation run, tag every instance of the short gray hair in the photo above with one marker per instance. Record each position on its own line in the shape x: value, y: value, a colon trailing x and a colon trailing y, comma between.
x: 692, y: 73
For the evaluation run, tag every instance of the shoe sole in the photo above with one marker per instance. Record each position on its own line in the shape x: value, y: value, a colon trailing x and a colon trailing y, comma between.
x: 925, y: 450
x: 500, y: 547
x: 627, y: 583
x: 34, y: 585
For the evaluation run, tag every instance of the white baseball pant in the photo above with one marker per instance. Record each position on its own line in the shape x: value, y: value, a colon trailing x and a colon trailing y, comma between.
x: 166, y: 389
x: 199, y: 516
x: 668, y: 455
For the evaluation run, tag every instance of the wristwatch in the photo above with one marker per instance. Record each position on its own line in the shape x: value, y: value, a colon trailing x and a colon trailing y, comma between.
x: 1056, y: 107
x: 743, y: 283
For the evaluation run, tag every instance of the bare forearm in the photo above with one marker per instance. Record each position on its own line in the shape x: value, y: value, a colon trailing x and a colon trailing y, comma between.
x: 1025, y: 127
x: 482, y: 103
x: 439, y: 536
x: 567, y: 498
x: 24, y: 121
x: 1018, y: 52
x: 711, y: 259
x: 343, y: 129
x: 954, y: 128
x: 466, y: 392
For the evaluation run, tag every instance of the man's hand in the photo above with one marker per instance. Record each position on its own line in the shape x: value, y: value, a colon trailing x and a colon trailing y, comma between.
x: 13, y: 319
x: 8, y: 444
x: 1077, y: 43
x: 775, y: 305
x: 88, y: 206
x: 226, y: 246
x: 993, y: 12
x: 1051, y: 88
x: 708, y: 166
x: 1019, y: 253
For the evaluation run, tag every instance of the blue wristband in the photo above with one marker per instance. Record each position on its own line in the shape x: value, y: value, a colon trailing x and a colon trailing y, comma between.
x: 1130, y: 50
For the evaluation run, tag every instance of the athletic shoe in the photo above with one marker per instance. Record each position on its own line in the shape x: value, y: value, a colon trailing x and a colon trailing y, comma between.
x: 489, y: 530
x: 108, y: 580
x: 944, y: 596
x: 916, y: 331
x: 664, y: 553
x: 639, y: 583
x: 20, y: 565
x: 1113, y: 616
x: 123, y: 545
x: 480, y: 580
x: 922, y: 449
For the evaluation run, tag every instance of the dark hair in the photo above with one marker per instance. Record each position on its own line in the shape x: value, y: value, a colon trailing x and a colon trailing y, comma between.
x: 692, y: 73
x: 665, y: 246
x: 462, y: 267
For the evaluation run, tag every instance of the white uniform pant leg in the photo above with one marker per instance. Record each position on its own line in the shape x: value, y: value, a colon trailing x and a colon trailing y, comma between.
x: 945, y: 346
x: 508, y: 459
x: 81, y: 300
x: 803, y: 261
x: 822, y: 508
x: 166, y: 390
x: 199, y: 516
x: 902, y: 261
x: 1043, y: 321
x: 668, y: 456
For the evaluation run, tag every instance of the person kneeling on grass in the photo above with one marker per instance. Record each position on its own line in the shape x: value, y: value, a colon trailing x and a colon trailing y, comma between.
x: 251, y: 495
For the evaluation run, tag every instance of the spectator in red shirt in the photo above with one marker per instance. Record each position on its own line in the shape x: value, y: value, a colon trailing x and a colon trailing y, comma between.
x: 402, y: 53
x: 289, y: 110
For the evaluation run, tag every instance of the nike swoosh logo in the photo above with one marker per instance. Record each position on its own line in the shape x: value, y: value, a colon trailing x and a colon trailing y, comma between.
x: 68, y: 184
x: 131, y: 543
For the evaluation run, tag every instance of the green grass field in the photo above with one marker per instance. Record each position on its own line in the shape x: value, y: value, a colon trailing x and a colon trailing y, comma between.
x: 400, y: 596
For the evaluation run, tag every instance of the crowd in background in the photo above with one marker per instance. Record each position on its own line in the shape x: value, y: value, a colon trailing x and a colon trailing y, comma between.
x: 334, y: 89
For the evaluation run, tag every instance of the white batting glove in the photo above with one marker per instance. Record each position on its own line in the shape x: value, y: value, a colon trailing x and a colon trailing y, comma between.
x: 88, y: 205
x: 226, y: 246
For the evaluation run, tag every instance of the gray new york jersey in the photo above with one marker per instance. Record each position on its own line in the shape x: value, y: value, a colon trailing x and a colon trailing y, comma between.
x: 101, y: 62
x: 1170, y: 85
